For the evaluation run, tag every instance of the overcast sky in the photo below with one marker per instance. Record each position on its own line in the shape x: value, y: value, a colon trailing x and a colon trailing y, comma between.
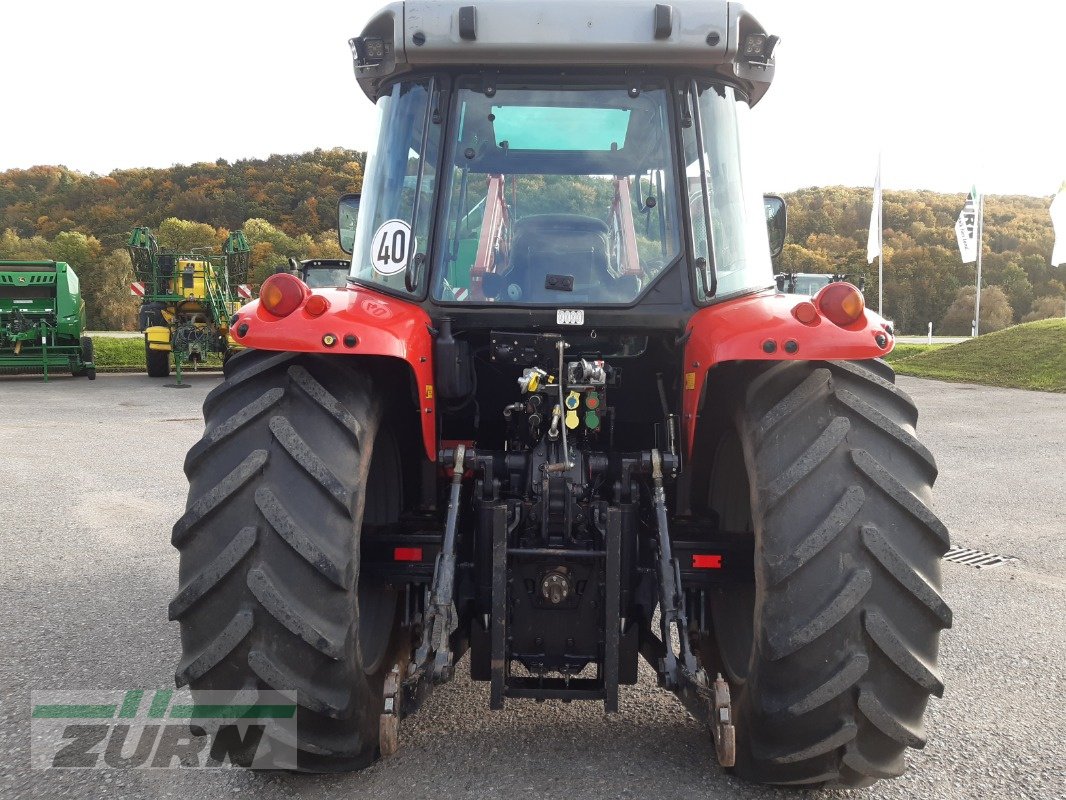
x: 953, y: 92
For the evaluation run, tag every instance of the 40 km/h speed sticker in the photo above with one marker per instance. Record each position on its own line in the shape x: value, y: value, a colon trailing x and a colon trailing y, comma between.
x: 390, y: 246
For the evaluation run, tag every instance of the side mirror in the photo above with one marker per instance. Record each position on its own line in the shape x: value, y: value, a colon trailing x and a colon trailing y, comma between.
x: 347, y: 216
x: 776, y: 222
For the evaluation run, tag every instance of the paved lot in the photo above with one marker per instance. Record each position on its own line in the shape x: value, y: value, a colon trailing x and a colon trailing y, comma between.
x: 90, y: 482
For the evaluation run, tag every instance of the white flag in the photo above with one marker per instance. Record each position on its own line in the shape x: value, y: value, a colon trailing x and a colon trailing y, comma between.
x: 1058, y: 222
x: 873, y: 243
x: 966, y: 229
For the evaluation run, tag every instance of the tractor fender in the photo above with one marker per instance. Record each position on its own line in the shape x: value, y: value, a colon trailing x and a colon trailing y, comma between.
x: 762, y: 327
x: 358, y: 322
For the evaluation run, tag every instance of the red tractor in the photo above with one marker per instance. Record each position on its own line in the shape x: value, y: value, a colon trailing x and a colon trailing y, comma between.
x: 560, y: 418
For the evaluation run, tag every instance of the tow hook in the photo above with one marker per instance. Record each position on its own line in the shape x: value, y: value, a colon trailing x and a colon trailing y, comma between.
x: 725, y: 735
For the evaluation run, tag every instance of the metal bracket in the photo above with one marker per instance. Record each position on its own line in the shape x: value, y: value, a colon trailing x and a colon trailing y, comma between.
x: 725, y: 735
x: 389, y: 722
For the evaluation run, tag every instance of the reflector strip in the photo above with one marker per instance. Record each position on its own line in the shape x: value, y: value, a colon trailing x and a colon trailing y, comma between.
x: 407, y: 554
x: 706, y: 561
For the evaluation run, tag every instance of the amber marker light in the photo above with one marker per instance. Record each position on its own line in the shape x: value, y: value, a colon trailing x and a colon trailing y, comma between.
x: 840, y: 303
x: 316, y: 306
x: 806, y: 313
x: 282, y: 294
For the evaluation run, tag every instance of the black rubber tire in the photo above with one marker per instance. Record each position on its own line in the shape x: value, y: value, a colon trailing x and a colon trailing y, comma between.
x: 269, y: 572
x: 846, y: 612
x: 157, y: 361
x: 87, y: 358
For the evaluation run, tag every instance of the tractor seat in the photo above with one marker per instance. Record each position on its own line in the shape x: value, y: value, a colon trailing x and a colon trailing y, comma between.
x: 559, y: 244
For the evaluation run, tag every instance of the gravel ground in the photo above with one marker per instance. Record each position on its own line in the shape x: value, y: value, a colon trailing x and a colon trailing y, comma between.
x: 92, y: 482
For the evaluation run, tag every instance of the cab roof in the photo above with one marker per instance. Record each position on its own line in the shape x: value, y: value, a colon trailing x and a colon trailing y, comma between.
x: 714, y: 37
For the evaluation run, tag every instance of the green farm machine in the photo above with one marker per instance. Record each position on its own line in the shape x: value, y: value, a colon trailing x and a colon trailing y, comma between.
x: 42, y: 317
x: 187, y: 299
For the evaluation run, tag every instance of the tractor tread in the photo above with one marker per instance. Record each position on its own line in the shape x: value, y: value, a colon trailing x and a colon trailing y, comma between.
x: 863, y: 766
x: 253, y: 370
x: 230, y: 426
x: 835, y: 740
x: 910, y: 663
x: 808, y: 462
x: 314, y: 698
x: 888, y: 723
x: 285, y: 526
x: 317, y: 392
x: 218, y: 648
x: 843, y: 678
x: 907, y: 577
x: 322, y: 747
x: 893, y: 429
x: 880, y: 368
x: 286, y: 610
x: 217, y: 495
x: 811, y: 387
x: 901, y: 400
x: 210, y: 576
x: 891, y: 486
x: 788, y: 641
x: 314, y: 466
x: 828, y: 529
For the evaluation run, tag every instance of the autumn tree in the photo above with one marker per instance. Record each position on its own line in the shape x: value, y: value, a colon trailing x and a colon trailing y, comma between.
x: 1046, y: 308
x: 996, y: 312
x: 185, y: 236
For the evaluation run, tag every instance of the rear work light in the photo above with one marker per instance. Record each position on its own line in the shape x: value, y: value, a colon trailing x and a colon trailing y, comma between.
x: 282, y: 294
x: 840, y: 303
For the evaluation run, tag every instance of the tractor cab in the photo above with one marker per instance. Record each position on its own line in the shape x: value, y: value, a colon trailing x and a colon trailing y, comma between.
x: 576, y: 172
x: 322, y: 273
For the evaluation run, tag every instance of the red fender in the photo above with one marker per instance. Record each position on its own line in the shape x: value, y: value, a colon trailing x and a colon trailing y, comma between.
x: 381, y: 325
x: 762, y: 327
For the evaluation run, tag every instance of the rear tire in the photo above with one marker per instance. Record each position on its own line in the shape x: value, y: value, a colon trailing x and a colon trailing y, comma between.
x: 157, y: 361
x: 839, y: 638
x: 293, y: 452
x: 87, y: 358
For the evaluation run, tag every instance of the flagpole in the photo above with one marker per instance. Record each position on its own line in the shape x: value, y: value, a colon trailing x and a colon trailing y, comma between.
x: 979, y: 234
x: 880, y: 242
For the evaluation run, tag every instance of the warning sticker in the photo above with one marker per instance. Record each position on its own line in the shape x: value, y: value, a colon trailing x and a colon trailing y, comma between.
x: 390, y: 246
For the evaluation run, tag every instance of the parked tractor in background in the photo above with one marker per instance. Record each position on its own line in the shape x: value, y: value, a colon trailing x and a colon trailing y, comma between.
x: 187, y: 299
x: 809, y: 284
x: 560, y: 419
x: 42, y: 318
x: 321, y: 273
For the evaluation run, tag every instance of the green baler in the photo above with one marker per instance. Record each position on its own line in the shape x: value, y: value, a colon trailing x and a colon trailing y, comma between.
x: 42, y: 317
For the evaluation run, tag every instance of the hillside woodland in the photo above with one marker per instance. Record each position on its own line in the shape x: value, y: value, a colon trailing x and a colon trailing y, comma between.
x: 286, y: 206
